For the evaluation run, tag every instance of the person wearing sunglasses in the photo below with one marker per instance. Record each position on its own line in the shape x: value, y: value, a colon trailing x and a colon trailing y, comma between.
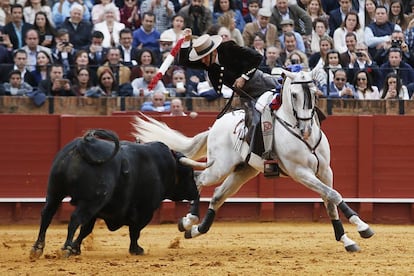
x: 340, y: 88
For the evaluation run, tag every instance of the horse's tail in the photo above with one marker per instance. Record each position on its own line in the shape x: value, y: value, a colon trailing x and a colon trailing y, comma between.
x: 150, y: 130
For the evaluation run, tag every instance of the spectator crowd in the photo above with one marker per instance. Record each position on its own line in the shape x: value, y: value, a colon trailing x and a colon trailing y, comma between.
x: 361, y: 49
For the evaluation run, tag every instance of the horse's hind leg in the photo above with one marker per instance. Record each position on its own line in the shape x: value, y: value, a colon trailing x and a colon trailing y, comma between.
x: 229, y: 187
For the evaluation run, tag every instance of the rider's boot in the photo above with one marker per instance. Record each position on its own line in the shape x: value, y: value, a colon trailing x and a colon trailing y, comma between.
x: 271, y: 168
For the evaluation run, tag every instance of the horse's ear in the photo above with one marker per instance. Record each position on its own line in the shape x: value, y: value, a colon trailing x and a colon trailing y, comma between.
x: 289, y: 74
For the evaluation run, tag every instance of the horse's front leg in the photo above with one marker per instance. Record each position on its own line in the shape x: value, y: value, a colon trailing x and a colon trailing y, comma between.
x: 229, y: 187
x: 185, y: 223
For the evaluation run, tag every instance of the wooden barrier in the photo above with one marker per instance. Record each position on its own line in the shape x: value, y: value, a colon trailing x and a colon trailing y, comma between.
x: 107, y: 106
x: 372, y: 158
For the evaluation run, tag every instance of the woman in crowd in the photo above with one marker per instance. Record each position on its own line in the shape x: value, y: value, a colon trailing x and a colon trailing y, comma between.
x: 363, y: 86
x: 32, y: 7
x: 45, y: 29
x: 393, y: 88
x: 129, y: 15
x: 396, y: 14
x: 82, y: 82
x: 315, y: 10
x: 176, y: 32
x: 297, y: 57
x: 222, y: 6
x: 228, y: 20
x: 108, y: 84
x: 145, y: 57
x: 369, y: 14
x: 110, y: 27
x: 43, y: 60
x: 320, y: 29
x: 98, y: 14
x: 349, y: 25
x: 317, y: 60
x: 81, y: 60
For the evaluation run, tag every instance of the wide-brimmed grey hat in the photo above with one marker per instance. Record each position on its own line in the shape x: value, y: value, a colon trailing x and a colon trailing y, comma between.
x: 204, y: 45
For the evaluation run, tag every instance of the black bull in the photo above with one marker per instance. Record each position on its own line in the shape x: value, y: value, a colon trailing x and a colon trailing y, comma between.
x: 121, y: 182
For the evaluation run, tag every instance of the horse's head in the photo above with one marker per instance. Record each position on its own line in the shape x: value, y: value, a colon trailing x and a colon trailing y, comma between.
x: 299, y: 100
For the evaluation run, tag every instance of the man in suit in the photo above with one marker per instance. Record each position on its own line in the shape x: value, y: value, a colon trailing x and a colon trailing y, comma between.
x: 233, y: 66
x: 197, y: 17
x: 19, y: 63
x: 340, y: 88
x: 32, y: 47
x: 17, y: 28
x: 96, y: 52
x: 282, y: 11
x: 261, y: 25
x: 337, y: 16
x: 128, y: 53
x: 56, y: 85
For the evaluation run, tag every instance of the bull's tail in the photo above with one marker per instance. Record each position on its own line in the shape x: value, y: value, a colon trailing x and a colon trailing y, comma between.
x: 150, y: 130
x: 94, y: 152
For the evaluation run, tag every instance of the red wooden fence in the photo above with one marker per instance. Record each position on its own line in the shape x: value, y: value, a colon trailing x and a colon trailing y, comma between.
x: 372, y: 160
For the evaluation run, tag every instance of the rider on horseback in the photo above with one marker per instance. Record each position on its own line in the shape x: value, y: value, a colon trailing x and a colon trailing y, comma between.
x: 234, y: 66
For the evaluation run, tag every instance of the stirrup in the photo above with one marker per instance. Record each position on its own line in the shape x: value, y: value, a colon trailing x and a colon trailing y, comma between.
x: 271, y: 168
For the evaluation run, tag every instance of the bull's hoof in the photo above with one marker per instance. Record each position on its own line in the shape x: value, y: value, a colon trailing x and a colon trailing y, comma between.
x: 352, y: 248
x: 181, y: 227
x: 35, y: 253
x: 368, y: 233
x: 137, y: 251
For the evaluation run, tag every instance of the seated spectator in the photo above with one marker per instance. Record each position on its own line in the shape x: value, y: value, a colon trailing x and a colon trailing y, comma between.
x: 129, y: 15
x: 110, y: 27
x: 176, y: 32
x: 177, y: 109
x: 223, y: 6
x: 144, y: 57
x: 32, y: 7
x: 396, y: 64
x: 63, y: 52
x: 349, y: 25
x: 32, y: 47
x: 179, y: 87
x: 272, y: 59
x: 259, y: 45
x: 396, y: 14
x: 128, y: 53
x: 98, y: 12
x: 157, y: 103
x: 362, y: 60
x: 369, y: 14
x: 5, y: 50
x: 81, y: 60
x: 228, y: 20
x: 79, y: 30
x: 317, y: 60
x: 16, y: 29
x: 397, y: 40
x: 56, y: 85
x: 82, y: 82
x: 339, y: 87
x: 290, y: 45
x: 15, y: 86
x: 394, y: 88
x: 297, y: 58
x: 62, y: 9
x: 337, y: 16
x: 121, y: 72
x: 253, y: 7
x: 97, y: 53
x: 320, y: 29
x: 140, y: 85
x: 43, y: 61
x: 19, y: 63
x: 5, y: 16
x: 261, y: 25
x: 147, y: 36
x: 378, y: 33
x: 163, y: 11
x: 197, y: 17
x: 288, y: 26
x: 107, y: 84
x: 315, y: 10
x: 45, y: 29
x: 363, y: 86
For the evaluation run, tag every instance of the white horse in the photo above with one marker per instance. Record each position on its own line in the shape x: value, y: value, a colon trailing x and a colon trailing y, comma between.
x: 301, y: 147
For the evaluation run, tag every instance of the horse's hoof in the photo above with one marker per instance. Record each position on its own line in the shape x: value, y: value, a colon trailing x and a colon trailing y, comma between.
x: 368, y: 233
x: 187, y: 234
x: 64, y: 253
x: 35, y: 253
x: 181, y: 227
x: 352, y: 248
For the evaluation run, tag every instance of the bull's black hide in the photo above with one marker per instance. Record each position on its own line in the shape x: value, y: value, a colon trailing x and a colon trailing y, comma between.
x: 121, y: 182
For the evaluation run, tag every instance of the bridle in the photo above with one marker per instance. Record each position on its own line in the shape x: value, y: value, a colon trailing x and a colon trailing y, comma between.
x: 307, y: 101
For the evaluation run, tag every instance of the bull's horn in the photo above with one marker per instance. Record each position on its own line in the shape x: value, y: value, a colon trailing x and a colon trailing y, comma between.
x: 195, y: 164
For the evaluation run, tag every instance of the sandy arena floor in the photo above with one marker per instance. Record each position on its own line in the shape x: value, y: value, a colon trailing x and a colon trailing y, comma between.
x: 228, y: 249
